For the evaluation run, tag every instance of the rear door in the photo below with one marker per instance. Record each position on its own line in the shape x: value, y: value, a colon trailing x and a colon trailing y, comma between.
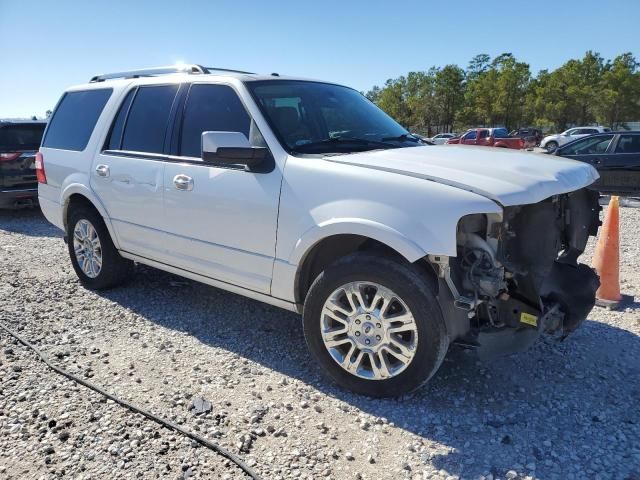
x: 127, y: 175
x: 19, y: 143
x: 620, y: 169
x: 484, y: 137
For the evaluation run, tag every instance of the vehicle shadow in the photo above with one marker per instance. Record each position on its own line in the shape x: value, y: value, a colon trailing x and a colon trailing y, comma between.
x: 27, y: 221
x: 489, y: 415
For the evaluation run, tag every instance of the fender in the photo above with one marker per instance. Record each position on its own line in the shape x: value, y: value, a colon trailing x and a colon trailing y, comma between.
x: 356, y: 226
x: 78, y: 188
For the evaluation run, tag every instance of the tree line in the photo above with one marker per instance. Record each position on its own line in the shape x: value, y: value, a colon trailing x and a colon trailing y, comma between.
x: 503, y: 92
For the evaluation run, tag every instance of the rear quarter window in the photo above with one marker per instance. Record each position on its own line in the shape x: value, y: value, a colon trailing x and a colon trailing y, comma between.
x: 75, y: 118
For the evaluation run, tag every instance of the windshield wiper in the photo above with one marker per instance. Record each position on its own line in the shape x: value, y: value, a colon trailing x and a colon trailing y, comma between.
x: 345, y: 141
x: 400, y: 138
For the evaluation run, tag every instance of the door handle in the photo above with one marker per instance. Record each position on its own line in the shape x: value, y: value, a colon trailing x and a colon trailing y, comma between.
x: 183, y: 182
x: 102, y: 170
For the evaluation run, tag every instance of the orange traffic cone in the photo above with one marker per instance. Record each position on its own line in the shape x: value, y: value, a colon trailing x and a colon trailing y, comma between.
x: 606, y: 259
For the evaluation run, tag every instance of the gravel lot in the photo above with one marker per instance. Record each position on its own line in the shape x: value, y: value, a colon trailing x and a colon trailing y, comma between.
x: 566, y: 410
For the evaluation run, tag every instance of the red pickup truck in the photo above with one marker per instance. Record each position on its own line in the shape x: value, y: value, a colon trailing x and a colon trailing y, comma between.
x: 493, y: 137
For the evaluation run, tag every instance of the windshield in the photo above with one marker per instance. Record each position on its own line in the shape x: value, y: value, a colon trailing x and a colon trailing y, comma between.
x: 313, y: 117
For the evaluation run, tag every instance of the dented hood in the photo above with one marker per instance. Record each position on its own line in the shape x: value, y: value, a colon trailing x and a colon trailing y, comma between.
x: 503, y: 175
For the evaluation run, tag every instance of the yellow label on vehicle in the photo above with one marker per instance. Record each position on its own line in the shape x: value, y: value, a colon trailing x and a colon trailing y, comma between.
x: 529, y: 319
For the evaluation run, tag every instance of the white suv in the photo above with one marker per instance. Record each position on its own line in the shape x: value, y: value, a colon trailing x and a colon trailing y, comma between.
x: 551, y: 142
x: 305, y: 195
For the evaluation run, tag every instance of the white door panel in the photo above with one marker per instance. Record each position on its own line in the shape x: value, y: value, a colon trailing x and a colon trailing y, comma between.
x: 131, y: 192
x: 224, y: 227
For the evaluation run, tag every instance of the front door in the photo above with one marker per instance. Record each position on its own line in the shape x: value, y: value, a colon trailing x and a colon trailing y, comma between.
x: 220, y: 221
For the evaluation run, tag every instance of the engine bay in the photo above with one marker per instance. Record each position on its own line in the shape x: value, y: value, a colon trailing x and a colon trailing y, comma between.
x: 517, y: 275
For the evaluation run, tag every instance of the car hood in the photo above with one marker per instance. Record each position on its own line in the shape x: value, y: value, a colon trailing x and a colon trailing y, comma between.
x: 505, y: 176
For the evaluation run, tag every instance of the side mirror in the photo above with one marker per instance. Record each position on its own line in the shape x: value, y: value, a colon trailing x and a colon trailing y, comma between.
x: 231, y: 148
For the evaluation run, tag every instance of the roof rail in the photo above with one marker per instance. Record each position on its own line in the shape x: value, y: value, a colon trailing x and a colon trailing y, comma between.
x: 216, y: 69
x: 148, y: 72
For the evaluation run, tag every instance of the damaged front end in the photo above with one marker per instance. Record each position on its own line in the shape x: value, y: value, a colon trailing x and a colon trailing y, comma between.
x: 517, y: 275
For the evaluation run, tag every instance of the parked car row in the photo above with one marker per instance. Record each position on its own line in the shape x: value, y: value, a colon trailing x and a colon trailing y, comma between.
x: 493, y: 137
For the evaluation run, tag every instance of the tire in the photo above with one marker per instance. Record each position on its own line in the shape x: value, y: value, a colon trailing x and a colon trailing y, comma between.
x: 551, y: 146
x: 113, y: 269
x: 413, y: 290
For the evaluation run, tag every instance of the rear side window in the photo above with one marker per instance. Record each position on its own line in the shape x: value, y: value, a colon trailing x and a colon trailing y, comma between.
x: 628, y: 144
x: 146, y: 124
x: 75, y: 118
x: 115, y: 137
x: 500, y: 133
x: 21, y: 137
x: 211, y: 108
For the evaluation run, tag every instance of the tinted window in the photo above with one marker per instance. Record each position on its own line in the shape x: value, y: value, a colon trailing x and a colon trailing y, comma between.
x: 147, y: 121
x: 484, y: 133
x: 500, y: 133
x: 628, y: 144
x: 588, y: 146
x: 470, y: 135
x: 115, y: 137
x: 74, y: 119
x: 211, y: 108
x: 21, y: 136
x: 310, y: 117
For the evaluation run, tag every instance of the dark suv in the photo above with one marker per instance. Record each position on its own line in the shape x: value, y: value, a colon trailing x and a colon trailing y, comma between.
x: 19, y: 142
x: 528, y: 132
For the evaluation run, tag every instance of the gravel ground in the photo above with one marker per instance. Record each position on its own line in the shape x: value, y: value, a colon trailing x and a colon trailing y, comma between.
x: 562, y: 410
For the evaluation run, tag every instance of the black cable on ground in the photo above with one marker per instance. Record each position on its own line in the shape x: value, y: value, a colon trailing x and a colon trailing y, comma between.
x: 165, y: 423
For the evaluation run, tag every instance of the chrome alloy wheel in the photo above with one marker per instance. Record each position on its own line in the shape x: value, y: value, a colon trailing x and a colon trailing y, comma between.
x: 368, y: 330
x: 87, y: 248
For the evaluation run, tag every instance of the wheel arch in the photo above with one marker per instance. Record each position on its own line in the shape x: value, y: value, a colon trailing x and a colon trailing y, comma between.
x: 77, y: 194
x: 338, y: 239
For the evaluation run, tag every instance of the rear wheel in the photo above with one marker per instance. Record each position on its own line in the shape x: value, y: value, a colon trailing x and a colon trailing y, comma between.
x: 374, y: 325
x: 94, y: 257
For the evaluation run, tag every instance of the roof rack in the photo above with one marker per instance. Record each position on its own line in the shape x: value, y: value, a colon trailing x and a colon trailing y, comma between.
x: 149, y: 72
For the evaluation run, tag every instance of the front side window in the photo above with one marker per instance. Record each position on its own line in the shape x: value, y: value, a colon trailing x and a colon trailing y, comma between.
x: 470, y: 135
x: 588, y: 146
x: 75, y: 118
x: 211, y: 108
x: 628, y: 144
x: 146, y: 124
x: 314, y: 117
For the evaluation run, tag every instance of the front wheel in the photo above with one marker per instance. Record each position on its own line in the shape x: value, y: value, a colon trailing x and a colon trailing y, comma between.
x: 374, y: 325
x: 551, y: 146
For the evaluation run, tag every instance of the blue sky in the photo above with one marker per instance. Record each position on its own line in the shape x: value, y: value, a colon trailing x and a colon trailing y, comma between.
x: 49, y: 45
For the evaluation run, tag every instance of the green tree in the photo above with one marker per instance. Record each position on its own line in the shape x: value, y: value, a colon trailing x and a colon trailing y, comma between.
x: 449, y: 94
x: 619, y: 92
